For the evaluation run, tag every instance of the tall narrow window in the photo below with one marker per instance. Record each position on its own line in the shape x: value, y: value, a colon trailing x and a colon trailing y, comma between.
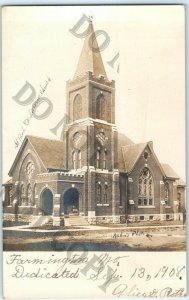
x: 105, y: 194
x: 98, y: 159
x: 79, y: 158
x: 29, y: 195
x: 145, y: 188
x: 74, y: 159
x: 179, y: 198
x: 166, y: 193
x: 77, y: 108
x: 104, y: 160
x: 9, y: 195
x: 99, y: 193
x: 34, y: 194
x: 18, y: 195
x: 101, y: 107
x: 22, y: 195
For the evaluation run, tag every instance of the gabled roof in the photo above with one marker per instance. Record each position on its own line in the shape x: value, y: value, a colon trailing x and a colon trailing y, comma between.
x: 50, y: 152
x: 169, y: 172
x: 122, y: 141
x: 51, y: 155
x: 90, y: 58
x: 131, y: 154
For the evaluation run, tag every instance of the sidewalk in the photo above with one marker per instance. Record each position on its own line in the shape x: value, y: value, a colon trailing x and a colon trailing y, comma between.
x: 91, y: 228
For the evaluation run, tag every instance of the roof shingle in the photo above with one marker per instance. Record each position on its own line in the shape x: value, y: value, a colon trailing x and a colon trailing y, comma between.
x: 51, y: 152
x: 122, y: 141
x: 90, y: 60
x: 169, y: 172
x: 131, y: 154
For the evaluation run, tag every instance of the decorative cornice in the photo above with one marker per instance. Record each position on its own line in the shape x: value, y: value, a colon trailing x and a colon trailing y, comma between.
x: 89, y: 76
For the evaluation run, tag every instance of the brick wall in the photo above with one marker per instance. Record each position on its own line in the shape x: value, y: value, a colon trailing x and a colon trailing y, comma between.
x: 21, y: 178
x: 133, y: 185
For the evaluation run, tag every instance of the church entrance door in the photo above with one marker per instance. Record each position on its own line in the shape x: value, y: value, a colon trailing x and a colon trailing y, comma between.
x: 47, y: 202
x: 70, y: 203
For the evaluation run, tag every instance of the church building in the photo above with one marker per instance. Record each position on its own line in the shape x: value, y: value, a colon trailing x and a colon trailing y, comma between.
x: 95, y: 174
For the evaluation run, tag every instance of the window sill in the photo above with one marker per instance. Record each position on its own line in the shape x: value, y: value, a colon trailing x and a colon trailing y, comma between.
x: 146, y: 206
x: 102, y: 170
x: 26, y: 206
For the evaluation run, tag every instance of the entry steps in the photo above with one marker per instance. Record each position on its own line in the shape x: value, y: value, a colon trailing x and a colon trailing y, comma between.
x: 75, y: 221
x: 38, y: 221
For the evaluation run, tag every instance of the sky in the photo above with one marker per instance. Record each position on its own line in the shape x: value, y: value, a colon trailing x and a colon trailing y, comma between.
x: 150, y: 84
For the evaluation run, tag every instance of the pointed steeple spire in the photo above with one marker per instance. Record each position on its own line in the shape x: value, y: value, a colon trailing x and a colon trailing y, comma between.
x: 90, y: 58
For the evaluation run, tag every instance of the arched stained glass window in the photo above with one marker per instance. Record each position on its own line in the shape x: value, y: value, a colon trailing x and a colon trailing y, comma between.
x: 145, y: 188
x: 30, y: 168
x: 77, y: 108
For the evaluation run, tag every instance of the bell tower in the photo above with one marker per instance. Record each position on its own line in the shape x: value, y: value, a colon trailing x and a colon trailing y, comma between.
x: 91, y: 138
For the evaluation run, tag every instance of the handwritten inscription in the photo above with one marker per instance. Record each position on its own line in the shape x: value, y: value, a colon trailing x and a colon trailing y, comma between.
x: 125, y: 290
x: 42, y: 273
x: 163, y: 271
x: 131, y: 234
x: 26, y: 122
x: 96, y: 269
x: 104, y: 269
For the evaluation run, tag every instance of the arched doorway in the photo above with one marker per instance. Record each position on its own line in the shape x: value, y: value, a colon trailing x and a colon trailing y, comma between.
x: 47, y: 202
x: 70, y: 202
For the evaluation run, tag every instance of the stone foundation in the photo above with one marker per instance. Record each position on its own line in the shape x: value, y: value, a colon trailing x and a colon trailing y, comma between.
x: 105, y: 219
x: 19, y: 217
x: 95, y: 220
x: 155, y: 217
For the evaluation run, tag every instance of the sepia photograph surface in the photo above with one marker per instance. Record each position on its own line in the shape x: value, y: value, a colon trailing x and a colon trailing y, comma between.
x: 94, y: 144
